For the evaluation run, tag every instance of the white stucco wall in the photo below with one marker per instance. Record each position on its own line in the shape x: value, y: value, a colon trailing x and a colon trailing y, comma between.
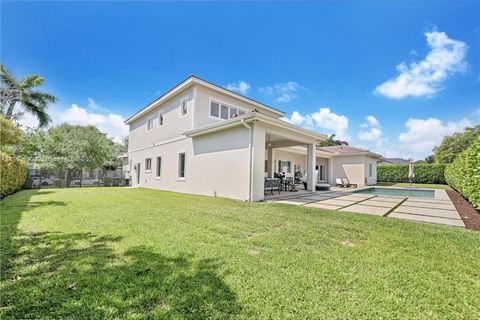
x: 174, y: 125
x: 373, y: 161
x: 352, y: 167
x: 216, y: 164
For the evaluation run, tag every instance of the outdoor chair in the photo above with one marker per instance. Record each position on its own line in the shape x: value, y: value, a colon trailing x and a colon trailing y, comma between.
x: 290, y: 184
x: 339, y: 183
x: 347, y: 183
x: 271, y: 185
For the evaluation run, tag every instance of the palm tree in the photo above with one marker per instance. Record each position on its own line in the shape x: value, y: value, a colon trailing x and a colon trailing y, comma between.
x: 331, y: 141
x: 23, y: 93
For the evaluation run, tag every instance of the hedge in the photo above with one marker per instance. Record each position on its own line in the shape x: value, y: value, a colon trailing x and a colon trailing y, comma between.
x: 463, y: 174
x: 424, y: 173
x: 13, y: 174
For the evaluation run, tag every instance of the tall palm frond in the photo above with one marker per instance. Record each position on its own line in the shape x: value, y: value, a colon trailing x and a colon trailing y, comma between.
x: 13, y: 92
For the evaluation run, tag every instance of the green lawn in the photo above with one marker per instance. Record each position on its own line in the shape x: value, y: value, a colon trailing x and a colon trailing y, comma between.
x: 140, y: 253
x: 418, y: 185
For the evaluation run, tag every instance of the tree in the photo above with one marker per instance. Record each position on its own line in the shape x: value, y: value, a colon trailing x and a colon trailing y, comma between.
x: 73, y: 149
x: 331, y: 141
x: 9, y: 133
x: 454, y: 144
x: 13, y: 93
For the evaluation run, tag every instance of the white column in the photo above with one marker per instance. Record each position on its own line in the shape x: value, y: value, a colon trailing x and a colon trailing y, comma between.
x: 258, y: 162
x: 330, y: 171
x: 270, y: 161
x: 311, y: 157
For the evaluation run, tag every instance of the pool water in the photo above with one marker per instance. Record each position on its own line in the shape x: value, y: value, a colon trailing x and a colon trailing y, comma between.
x: 399, y: 192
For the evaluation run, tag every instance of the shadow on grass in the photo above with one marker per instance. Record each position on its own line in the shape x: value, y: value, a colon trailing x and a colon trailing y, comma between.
x: 39, y: 268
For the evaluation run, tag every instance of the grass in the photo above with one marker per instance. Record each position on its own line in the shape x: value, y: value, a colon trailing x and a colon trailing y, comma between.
x: 137, y: 253
x: 418, y: 185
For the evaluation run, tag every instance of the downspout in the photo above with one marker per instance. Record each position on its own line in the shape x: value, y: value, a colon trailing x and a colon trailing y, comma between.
x: 250, y: 186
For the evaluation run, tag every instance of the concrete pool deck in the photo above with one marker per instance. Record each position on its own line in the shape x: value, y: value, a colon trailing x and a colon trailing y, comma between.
x: 437, y: 210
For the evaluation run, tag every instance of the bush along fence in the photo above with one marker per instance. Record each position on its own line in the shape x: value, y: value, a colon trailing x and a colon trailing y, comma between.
x: 424, y: 173
x: 13, y: 173
x: 464, y: 173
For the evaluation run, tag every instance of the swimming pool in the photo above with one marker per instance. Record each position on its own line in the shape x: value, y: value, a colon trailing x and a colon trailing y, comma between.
x: 399, y: 192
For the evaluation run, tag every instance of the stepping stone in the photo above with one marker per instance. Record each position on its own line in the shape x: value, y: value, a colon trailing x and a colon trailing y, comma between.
x: 451, y: 214
x: 359, y: 208
x: 337, y: 202
x: 430, y: 205
x: 322, y: 206
x: 384, y: 204
x: 437, y: 220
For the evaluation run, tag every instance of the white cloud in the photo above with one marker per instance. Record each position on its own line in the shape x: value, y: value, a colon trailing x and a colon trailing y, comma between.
x: 424, y: 134
x: 283, y: 92
x: 425, y: 78
x: 240, y: 87
x: 93, y: 105
x: 374, y: 133
x: 322, y: 119
x: 111, y: 124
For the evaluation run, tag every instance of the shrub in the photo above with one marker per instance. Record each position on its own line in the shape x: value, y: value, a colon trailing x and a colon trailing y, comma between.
x: 13, y: 174
x: 424, y: 173
x: 464, y: 173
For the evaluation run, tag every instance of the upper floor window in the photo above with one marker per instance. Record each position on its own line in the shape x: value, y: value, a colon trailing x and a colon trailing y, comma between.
x: 148, y: 164
x: 160, y: 119
x: 149, y: 124
x: 183, y: 108
x: 223, y: 111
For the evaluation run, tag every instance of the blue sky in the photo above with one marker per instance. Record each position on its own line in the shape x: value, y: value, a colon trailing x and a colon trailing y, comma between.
x: 393, y: 77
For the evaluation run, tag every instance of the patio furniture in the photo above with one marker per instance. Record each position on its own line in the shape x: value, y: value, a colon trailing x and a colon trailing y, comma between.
x: 272, y: 184
x: 322, y: 187
x: 347, y: 183
x: 298, y: 177
x: 290, y: 184
x: 339, y: 183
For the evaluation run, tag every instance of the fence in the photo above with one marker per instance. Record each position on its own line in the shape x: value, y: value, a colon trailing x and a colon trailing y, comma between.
x: 41, y: 178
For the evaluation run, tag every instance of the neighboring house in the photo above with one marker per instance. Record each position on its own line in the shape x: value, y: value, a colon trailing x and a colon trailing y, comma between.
x: 203, y: 139
x: 392, y: 161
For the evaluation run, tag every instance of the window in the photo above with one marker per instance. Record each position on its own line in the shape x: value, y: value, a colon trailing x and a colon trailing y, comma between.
x: 148, y: 164
x: 183, y: 108
x: 321, y: 172
x: 214, y: 109
x: 370, y: 170
x: 181, y: 165
x: 284, y: 166
x: 160, y: 119
x: 233, y: 112
x: 223, y: 111
x: 297, y: 168
x: 159, y: 167
x: 149, y: 124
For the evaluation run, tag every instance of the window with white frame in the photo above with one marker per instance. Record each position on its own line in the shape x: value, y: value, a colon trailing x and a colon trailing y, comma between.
x: 183, y: 108
x: 181, y: 165
x: 159, y: 167
x: 223, y: 111
x: 148, y: 164
x: 370, y: 170
x: 160, y: 119
x: 149, y: 124
x: 284, y: 166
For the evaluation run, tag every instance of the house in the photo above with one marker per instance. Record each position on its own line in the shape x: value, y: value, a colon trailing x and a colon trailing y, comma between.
x: 201, y: 138
x: 392, y: 161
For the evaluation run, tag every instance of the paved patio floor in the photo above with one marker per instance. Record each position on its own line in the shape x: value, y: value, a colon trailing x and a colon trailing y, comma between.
x: 438, y: 210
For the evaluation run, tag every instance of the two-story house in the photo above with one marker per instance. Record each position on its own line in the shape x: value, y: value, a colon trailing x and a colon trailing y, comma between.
x: 203, y: 139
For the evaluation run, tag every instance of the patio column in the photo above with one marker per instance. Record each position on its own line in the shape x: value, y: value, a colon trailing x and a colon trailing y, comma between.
x: 270, y: 161
x: 311, y: 157
x: 258, y: 162
x: 330, y: 171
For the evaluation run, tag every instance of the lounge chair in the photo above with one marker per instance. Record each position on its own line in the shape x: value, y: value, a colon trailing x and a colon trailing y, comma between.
x: 347, y: 183
x: 339, y: 183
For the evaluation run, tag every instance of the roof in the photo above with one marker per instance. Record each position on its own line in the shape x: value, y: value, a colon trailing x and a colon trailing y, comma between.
x: 394, y: 160
x: 348, y: 150
x: 187, y: 83
x: 254, y: 116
